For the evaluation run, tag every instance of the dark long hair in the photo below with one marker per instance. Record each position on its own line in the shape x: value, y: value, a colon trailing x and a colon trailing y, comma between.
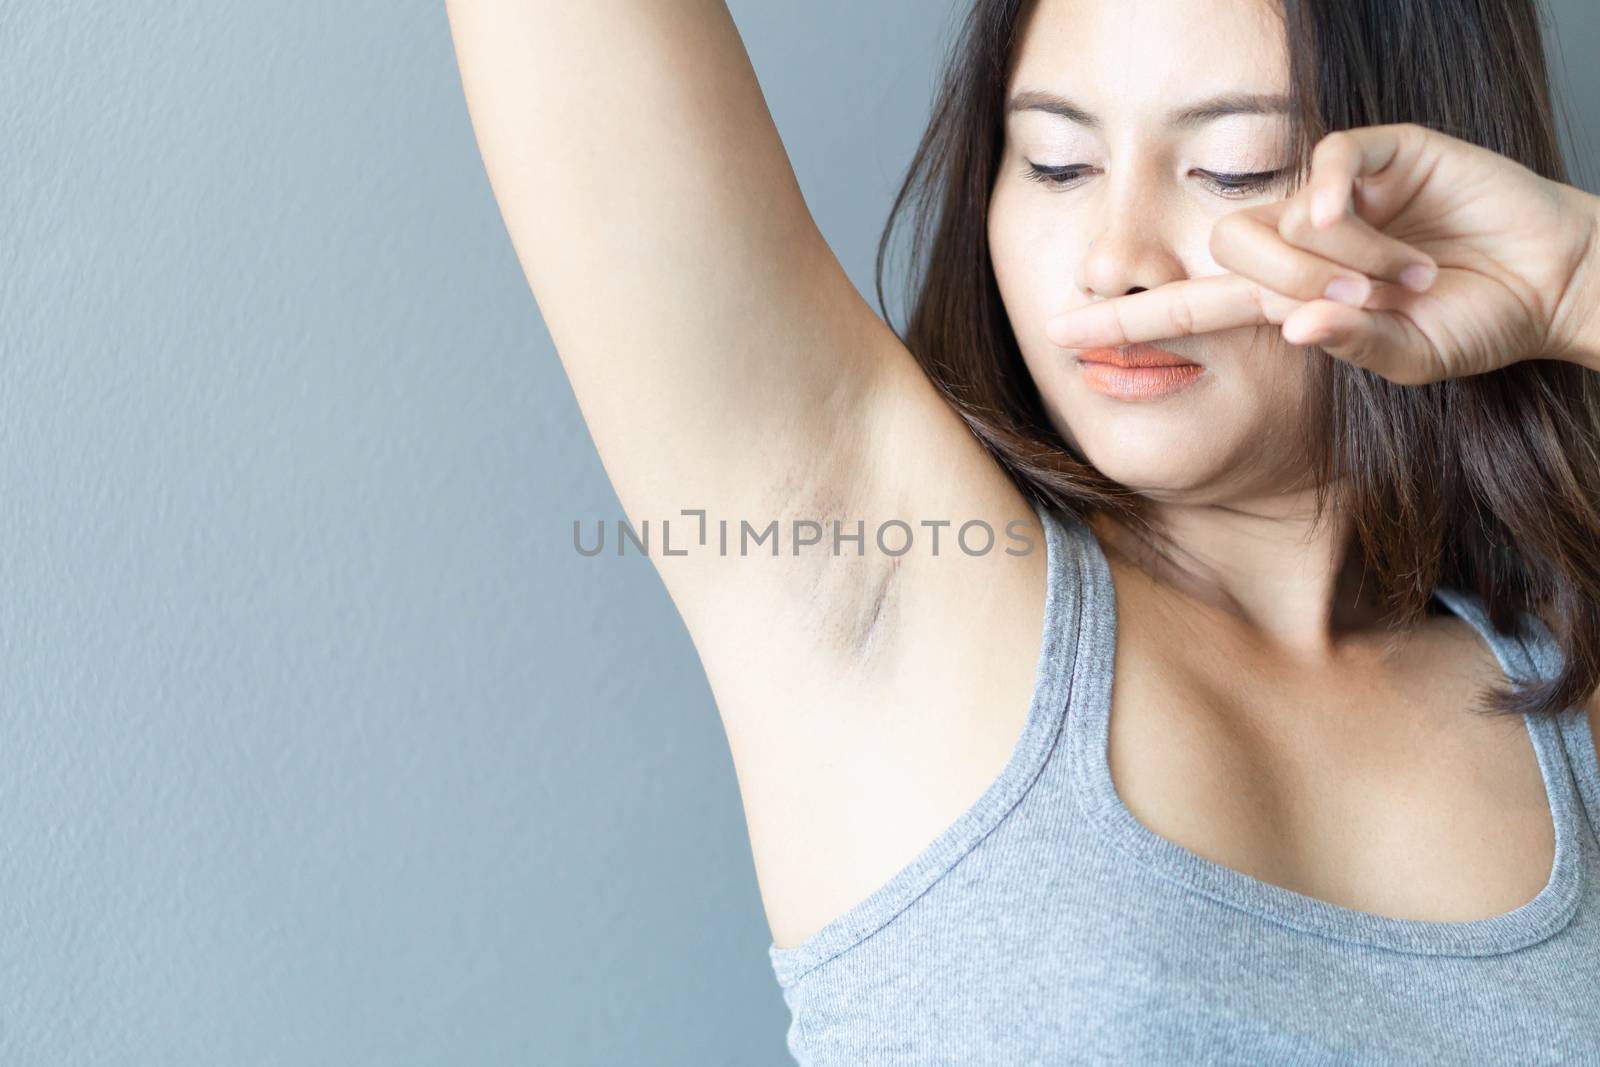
x: 1488, y: 484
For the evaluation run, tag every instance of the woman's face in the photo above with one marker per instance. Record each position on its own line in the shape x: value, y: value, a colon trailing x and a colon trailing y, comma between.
x: 1092, y: 99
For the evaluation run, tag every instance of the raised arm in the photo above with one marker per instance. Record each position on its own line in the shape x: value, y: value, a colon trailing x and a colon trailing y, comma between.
x: 720, y: 355
x: 723, y: 360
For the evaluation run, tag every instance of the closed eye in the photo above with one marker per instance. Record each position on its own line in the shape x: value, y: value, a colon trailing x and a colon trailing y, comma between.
x: 1232, y: 186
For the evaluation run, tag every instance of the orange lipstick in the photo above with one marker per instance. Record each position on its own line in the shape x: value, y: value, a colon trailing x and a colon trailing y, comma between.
x: 1136, y: 372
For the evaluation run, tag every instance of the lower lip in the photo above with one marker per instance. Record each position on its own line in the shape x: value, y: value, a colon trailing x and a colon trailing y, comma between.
x: 1138, y: 383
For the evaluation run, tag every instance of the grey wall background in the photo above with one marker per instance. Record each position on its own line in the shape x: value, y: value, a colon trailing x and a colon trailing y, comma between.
x: 320, y: 744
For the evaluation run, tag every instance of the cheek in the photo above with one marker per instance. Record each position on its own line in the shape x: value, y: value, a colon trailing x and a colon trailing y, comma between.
x: 1032, y: 260
x: 1004, y: 254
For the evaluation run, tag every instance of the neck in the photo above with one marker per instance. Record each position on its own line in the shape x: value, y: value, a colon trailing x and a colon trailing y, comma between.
x: 1260, y: 561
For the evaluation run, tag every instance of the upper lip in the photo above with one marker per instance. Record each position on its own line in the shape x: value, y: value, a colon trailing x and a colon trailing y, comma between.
x: 1135, y: 356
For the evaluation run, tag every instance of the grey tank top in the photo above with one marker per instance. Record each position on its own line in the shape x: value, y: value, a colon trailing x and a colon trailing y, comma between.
x: 1047, y: 925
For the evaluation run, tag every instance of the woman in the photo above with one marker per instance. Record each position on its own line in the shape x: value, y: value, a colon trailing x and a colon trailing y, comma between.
x: 1333, y: 536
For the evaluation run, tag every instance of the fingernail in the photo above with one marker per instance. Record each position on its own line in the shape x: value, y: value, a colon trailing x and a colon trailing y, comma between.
x: 1418, y: 277
x: 1352, y: 291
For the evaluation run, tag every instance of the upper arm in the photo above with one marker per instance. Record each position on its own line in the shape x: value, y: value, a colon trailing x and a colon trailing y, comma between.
x: 720, y: 356
x: 712, y: 340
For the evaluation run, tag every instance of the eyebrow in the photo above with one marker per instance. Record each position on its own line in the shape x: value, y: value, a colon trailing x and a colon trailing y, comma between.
x: 1186, y: 117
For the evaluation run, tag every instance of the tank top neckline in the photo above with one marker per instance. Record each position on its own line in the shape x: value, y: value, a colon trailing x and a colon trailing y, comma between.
x: 1067, y: 719
x: 1087, y: 734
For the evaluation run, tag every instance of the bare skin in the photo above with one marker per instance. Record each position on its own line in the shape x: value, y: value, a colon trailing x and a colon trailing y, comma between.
x: 722, y: 360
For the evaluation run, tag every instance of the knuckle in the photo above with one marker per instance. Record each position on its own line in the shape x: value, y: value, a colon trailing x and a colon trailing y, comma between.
x: 1331, y: 142
x: 1416, y: 136
x: 1117, y: 309
x: 1359, y: 356
x: 1268, y: 305
x: 1183, y: 316
x: 1295, y: 225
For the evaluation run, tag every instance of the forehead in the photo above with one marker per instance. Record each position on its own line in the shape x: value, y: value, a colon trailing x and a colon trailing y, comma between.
x: 1138, y: 57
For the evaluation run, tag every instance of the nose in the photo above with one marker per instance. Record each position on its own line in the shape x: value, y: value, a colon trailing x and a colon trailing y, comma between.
x: 1132, y: 250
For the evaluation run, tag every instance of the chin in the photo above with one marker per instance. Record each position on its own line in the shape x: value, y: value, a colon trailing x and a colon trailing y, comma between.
x: 1149, y: 447
x: 1155, y: 476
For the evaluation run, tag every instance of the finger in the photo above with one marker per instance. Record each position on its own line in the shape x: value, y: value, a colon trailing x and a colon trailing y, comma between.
x: 1279, y: 248
x: 1245, y: 244
x: 1344, y: 156
x: 1384, y: 342
x: 1194, y: 305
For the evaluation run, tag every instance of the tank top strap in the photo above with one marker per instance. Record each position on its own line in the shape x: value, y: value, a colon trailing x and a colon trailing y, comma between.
x: 1580, y: 745
x: 1564, y: 744
x: 1030, y: 757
